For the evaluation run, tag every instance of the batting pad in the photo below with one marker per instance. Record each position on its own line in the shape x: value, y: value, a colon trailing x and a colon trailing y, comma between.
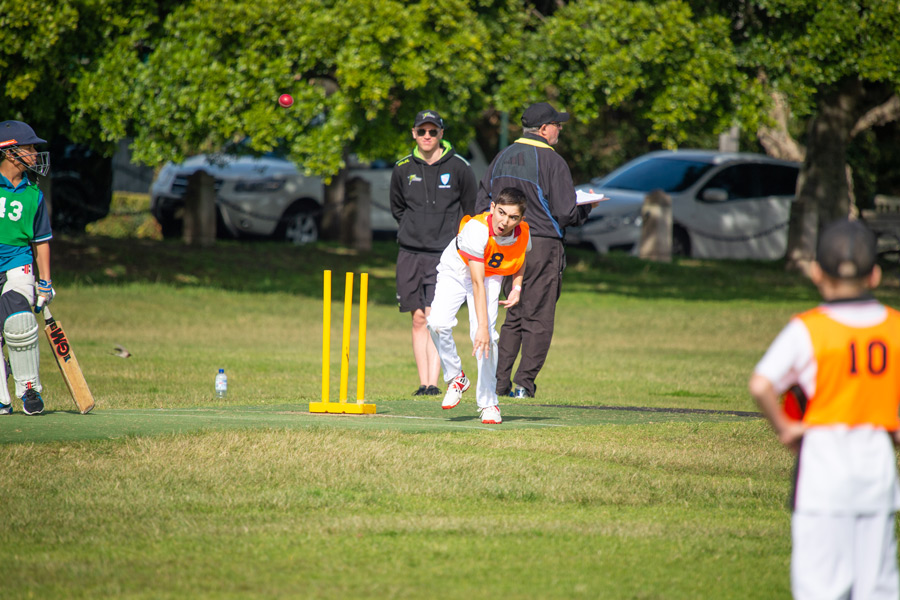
x: 21, y: 333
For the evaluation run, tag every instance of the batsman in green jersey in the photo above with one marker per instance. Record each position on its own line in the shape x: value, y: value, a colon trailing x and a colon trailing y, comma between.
x: 24, y: 241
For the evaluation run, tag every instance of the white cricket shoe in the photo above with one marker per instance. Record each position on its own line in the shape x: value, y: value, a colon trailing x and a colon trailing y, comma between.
x: 491, y: 415
x: 455, y: 391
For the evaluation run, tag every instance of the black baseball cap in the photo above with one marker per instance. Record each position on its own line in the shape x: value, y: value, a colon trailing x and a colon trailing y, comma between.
x: 847, y: 250
x: 541, y: 114
x: 429, y: 116
x: 17, y: 133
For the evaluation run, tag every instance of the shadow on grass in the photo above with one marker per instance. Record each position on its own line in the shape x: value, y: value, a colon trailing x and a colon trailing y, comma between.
x: 264, y: 266
x: 463, y: 419
x: 242, y: 266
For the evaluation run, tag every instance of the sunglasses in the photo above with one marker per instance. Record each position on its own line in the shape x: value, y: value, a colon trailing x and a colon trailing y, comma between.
x: 558, y: 125
x: 430, y: 132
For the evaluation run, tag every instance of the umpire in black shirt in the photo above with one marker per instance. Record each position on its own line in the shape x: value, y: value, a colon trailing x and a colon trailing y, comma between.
x: 533, y: 166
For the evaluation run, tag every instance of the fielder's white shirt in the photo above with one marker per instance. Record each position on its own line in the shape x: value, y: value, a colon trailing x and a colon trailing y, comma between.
x: 842, y: 470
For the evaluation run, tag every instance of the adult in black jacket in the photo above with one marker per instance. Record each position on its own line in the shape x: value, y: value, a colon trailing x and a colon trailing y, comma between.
x: 533, y: 166
x: 431, y: 190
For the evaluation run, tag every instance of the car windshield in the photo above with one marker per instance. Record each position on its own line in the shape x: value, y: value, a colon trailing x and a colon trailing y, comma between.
x: 242, y: 148
x: 667, y: 174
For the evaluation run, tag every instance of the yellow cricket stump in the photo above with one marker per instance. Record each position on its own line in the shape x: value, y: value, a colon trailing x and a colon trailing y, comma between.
x: 344, y: 407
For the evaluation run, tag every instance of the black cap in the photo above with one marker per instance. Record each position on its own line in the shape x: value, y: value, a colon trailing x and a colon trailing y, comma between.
x: 541, y: 114
x: 429, y: 116
x: 17, y: 133
x: 847, y: 250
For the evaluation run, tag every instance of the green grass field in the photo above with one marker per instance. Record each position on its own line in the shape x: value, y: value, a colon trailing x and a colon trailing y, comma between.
x: 635, y: 473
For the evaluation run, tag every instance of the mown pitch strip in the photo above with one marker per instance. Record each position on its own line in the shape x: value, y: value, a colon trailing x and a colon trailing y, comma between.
x: 415, y: 416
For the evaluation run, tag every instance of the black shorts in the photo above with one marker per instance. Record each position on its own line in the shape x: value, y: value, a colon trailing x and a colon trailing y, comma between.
x: 416, y: 278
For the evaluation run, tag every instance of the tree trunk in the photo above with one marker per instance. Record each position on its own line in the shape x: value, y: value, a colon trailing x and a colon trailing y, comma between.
x: 356, y: 222
x: 333, y: 211
x: 822, y: 188
x: 777, y: 140
x: 880, y: 115
x: 200, y: 210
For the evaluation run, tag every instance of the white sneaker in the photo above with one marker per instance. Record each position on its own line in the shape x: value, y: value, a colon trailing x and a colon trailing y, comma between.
x: 491, y: 415
x: 455, y: 391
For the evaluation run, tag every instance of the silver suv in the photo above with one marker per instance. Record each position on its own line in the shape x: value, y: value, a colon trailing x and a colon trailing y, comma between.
x: 724, y: 204
x: 269, y: 196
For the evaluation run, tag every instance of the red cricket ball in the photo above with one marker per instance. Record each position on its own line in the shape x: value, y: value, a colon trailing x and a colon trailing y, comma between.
x: 285, y: 100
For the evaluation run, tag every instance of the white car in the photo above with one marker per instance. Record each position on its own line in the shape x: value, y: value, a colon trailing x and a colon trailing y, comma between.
x: 269, y: 195
x: 724, y: 204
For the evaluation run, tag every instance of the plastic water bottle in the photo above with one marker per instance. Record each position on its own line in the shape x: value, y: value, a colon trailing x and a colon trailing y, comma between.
x: 221, y: 384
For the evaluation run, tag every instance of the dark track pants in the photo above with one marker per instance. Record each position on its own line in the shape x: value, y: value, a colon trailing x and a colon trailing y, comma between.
x: 529, y: 324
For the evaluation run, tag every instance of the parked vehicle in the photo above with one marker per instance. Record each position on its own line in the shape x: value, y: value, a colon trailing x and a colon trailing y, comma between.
x: 269, y: 195
x: 724, y: 205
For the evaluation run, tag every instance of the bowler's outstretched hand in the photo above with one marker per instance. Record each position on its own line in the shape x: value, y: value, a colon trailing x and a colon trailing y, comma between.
x: 512, y: 299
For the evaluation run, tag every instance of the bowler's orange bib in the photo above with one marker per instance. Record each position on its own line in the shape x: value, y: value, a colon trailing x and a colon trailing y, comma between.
x: 499, y: 260
x: 858, y: 378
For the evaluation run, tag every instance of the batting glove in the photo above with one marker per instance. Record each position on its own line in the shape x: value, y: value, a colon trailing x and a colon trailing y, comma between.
x: 45, y: 292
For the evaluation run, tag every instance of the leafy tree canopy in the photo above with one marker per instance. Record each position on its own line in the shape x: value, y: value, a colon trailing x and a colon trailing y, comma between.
x: 358, y: 71
x: 46, y: 45
x: 668, y: 68
x: 808, y: 48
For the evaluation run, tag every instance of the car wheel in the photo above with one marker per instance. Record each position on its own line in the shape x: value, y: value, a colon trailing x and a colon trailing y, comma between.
x: 299, y: 226
x: 681, y: 243
x: 223, y: 231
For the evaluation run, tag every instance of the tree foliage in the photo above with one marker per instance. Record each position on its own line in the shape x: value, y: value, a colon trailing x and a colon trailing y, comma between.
x: 358, y: 71
x: 654, y: 62
x: 679, y: 69
x: 48, y: 46
x: 807, y: 49
x: 193, y: 75
x: 834, y: 61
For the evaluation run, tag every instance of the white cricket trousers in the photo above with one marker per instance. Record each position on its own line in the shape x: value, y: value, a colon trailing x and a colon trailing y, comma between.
x: 838, y: 557
x: 451, y: 289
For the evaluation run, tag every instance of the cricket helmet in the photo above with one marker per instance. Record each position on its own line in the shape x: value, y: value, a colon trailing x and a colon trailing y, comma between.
x: 14, y: 134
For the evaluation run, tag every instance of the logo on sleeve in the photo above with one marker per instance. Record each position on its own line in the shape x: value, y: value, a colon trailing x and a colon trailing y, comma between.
x: 445, y: 181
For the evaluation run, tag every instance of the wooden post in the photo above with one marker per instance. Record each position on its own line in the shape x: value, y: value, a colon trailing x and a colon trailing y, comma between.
x: 200, y: 210
x: 356, y: 221
x: 333, y: 207
x: 656, y: 227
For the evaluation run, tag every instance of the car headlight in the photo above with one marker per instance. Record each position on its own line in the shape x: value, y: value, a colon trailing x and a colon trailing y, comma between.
x: 633, y: 219
x: 259, y: 186
x: 609, y: 223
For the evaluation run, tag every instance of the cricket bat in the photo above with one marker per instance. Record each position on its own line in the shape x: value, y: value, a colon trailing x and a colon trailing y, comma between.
x: 68, y: 364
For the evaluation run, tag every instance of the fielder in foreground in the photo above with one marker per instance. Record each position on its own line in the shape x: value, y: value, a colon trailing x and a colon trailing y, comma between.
x: 843, y: 355
x: 24, y: 239
x: 488, y: 246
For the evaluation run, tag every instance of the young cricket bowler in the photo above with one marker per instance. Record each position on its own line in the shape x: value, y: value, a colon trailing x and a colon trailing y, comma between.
x: 488, y: 246
x: 24, y: 239
x: 843, y: 355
